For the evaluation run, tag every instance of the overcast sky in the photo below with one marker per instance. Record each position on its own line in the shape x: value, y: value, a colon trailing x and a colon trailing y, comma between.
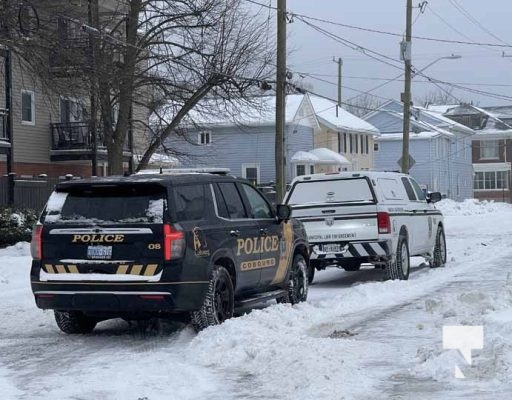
x: 313, y: 52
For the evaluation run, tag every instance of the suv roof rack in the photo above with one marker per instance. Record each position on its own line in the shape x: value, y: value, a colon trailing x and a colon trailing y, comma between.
x: 176, y: 171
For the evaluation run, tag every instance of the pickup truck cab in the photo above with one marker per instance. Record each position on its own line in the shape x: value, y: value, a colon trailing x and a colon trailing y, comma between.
x: 382, y: 218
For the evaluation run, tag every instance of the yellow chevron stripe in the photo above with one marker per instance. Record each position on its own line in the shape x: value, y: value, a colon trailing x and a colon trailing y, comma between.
x: 49, y: 268
x: 60, y: 269
x: 73, y: 269
x: 150, y: 269
x: 136, y: 269
x: 122, y: 269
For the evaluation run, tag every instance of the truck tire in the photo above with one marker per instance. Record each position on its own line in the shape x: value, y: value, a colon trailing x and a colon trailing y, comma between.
x: 219, y: 302
x: 399, y: 267
x: 73, y: 322
x: 298, y: 282
x: 439, y: 258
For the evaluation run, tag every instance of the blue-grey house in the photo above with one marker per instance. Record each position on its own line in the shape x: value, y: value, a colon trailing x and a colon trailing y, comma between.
x: 243, y: 139
x: 440, y: 149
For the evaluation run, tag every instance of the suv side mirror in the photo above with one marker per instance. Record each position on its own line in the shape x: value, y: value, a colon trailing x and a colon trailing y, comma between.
x: 434, y: 197
x: 284, y: 212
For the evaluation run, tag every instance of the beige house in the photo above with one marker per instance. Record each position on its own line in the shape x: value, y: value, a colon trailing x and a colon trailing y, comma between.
x: 343, y: 133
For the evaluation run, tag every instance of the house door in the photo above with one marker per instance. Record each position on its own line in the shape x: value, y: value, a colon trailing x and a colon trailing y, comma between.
x: 70, y: 110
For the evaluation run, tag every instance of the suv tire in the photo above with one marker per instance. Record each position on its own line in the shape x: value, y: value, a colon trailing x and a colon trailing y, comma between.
x: 311, y: 273
x: 219, y: 303
x: 399, y: 267
x: 297, y: 289
x: 72, y: 322
x: 439, y: 258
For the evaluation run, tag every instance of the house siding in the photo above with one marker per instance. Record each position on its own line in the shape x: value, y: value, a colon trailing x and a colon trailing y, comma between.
x: 233, y: 146
x: 441, y: 163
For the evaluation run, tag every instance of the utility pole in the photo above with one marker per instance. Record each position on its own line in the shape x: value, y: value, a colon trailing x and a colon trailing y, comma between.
x: 339, y: 61
x: 405, y: 53
x: 280, y: 100
x: 93, y: 17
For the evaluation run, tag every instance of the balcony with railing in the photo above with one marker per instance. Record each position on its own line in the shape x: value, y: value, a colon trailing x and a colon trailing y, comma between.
x: 75, y: 141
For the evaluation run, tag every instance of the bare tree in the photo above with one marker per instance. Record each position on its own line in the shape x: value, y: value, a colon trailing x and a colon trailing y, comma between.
x: 362, y: 104
x: 437, y: 97
x: 144, y: 54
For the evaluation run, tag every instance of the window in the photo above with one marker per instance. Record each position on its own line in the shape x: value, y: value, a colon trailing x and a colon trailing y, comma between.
x: 357, y: 143
x: 233, y: 201
x: 300, y: 170
x: 491, y: 180
x: 28, y: 108
x: 375, y: 146
x: 351, y: 143
x: 190, y: 202
x: 344, y: 142
x: 419, y: 193
x: 489, y: 149
x: 222, y: 209
x: 409, y: 189
x: 362, y: 144
x: 204, y: 138
x: 366, y: 144
x: 71, y: 110
x: 259, y: 207
x: 311, y: 169
x: 251, y: 172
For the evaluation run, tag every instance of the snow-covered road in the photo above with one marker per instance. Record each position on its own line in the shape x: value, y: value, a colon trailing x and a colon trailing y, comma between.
x: 357, y: 337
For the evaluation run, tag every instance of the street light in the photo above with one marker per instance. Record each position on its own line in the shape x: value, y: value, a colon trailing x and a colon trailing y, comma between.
x: 451, y: 57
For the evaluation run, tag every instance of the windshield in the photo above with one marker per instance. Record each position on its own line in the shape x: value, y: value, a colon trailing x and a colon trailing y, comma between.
x: 115, y: 205
x: 352, y: 190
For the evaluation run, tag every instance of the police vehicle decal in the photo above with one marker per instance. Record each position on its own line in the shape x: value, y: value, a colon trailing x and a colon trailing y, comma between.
x: 286, y: 252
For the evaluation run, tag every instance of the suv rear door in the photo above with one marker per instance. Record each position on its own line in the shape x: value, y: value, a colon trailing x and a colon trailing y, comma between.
x: 335, y: 210
x: 100, y: 231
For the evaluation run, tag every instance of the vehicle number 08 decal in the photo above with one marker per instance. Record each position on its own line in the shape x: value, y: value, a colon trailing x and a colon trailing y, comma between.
x: 154, y: 246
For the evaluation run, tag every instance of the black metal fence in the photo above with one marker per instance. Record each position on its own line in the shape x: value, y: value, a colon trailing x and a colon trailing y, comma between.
x: 29, y: 192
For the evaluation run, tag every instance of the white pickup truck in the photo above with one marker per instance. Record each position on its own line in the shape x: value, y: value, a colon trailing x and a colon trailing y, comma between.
x: 381, y: 218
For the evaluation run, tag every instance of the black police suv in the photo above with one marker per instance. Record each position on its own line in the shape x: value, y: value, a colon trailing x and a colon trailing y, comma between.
x: 197, y: 245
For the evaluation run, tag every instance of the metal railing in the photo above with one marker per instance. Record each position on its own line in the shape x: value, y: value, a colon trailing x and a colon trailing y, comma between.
x: 72, y: 135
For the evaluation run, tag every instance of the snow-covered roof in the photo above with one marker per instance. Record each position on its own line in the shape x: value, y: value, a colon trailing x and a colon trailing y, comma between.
x: 320, y: 155
x: 257, y: 111
x: 444, y: 120
x: 304, y: 156
x: 412, y: 136
x: 441, y: 108
x: 160, y: 160
x: 325, y: 111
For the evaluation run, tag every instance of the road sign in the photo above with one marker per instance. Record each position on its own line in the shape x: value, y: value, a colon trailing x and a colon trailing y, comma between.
x: 412, y: 161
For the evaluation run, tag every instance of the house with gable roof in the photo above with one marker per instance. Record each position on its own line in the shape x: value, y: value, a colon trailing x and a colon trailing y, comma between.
x: 440, y: 148
x: 244, y: 141
x: 491, y: 147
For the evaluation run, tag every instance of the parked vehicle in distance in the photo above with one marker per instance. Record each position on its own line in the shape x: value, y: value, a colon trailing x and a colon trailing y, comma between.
x: 188, y: 245
x: 381, y: 218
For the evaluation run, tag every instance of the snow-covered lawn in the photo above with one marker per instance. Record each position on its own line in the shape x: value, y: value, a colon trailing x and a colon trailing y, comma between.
x: 356, y: 337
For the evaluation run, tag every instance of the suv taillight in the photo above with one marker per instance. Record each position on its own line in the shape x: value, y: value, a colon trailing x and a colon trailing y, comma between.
x: 36, y: 245
x: 174, y: 243
x: 383, y: 222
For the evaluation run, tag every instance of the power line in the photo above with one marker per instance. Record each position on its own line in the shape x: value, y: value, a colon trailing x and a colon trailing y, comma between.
x: 365, y: 29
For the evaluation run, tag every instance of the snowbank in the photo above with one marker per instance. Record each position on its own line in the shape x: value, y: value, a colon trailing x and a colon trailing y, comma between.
x: 471, y: 207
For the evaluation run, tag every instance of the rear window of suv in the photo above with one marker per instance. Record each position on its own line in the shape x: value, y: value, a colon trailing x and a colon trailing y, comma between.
x: 107, y: 204
x: 353, y: 190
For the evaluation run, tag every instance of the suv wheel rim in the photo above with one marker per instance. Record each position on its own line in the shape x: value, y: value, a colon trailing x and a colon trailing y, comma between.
x: 222, y: 300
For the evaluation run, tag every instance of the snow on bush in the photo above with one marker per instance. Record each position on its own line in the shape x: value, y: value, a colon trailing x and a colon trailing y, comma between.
x: 471, y: 207
x: 16, y: 225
